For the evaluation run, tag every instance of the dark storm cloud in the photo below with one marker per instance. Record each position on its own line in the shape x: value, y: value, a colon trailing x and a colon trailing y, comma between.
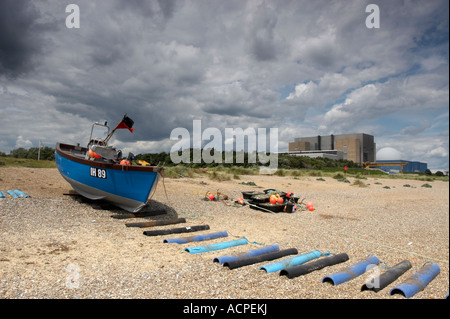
x: 20, y: 37
x: 149, y: 9
x: 167, y: 7
x: 261, y: 34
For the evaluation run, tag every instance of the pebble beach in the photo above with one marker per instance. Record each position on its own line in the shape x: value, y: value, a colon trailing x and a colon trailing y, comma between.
x: 55, y: 245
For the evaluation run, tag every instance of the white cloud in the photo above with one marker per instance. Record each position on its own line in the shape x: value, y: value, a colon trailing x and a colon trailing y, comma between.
x: 329, y: 88
x: 360, y: 105
x: 21, y: 142
x: 303, y: 91
x: 439, y: 151
x: 414, y: 130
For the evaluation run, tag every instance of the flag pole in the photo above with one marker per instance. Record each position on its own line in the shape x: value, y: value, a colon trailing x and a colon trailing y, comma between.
x: 106, y: 140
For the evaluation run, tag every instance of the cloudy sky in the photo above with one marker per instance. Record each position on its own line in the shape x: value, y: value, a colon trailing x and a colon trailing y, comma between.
x: 307, y: 67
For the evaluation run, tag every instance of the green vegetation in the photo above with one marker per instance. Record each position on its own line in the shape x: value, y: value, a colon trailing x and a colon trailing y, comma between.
x: 22, y: 157
x: 248, y: 183
x: 358, y: 182
x: 23, y: 162
x: 285, y: 161
x: 47, y: 153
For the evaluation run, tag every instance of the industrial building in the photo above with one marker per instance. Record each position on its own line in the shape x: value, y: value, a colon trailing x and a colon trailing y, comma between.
x: 389, y: 160
x: 358, y: 148
x: 401, y: 166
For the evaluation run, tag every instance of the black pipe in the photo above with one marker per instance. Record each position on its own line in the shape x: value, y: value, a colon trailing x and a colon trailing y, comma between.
x: 240, y: 262
x: 140, y: 214
x: 176, y: 230
x: 304, y: 269
x: 157, y: 223
x: 380, y: 282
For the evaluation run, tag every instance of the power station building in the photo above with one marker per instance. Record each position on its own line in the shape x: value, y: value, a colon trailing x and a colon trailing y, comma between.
x: 358, y: 148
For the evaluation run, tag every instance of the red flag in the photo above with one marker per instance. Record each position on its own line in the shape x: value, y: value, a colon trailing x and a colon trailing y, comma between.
x: 126, y: 123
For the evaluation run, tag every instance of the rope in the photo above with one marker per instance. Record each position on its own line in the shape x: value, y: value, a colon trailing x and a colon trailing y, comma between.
x: 251, y: 242
x: 255, y: 242
x: 325, y: 254
x: 164, y: 185
x: 160, y: 168
x: 259, y: 207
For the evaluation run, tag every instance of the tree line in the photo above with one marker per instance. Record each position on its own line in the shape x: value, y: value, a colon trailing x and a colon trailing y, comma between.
x: 285, y: 161
x: 46, y: 153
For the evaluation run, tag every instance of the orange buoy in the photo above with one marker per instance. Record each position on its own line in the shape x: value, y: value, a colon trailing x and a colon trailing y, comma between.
x: 92, y: 154
x: 310, y: 206
x: 125, y: 162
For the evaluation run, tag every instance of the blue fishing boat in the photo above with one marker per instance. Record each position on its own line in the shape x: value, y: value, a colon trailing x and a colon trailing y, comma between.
x: 99, y: 172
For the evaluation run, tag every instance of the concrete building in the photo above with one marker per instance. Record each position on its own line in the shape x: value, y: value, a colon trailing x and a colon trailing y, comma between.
x: 353, y: 147
x: 393, y: 166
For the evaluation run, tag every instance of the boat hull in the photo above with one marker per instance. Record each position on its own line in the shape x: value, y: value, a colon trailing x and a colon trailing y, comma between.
x: 128, y: 187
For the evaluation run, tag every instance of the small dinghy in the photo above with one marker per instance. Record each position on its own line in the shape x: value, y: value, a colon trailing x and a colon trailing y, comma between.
x: 98, y: 171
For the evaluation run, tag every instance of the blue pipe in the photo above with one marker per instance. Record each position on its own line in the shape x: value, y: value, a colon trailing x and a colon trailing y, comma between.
x: 10, y: 192
x: 418, y: 281
x: 218, y: 246
x: 352, y: 271
x: 21, y: 194
x: 189, y: 239
x: 291, y: 262
x: 251, y: 253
